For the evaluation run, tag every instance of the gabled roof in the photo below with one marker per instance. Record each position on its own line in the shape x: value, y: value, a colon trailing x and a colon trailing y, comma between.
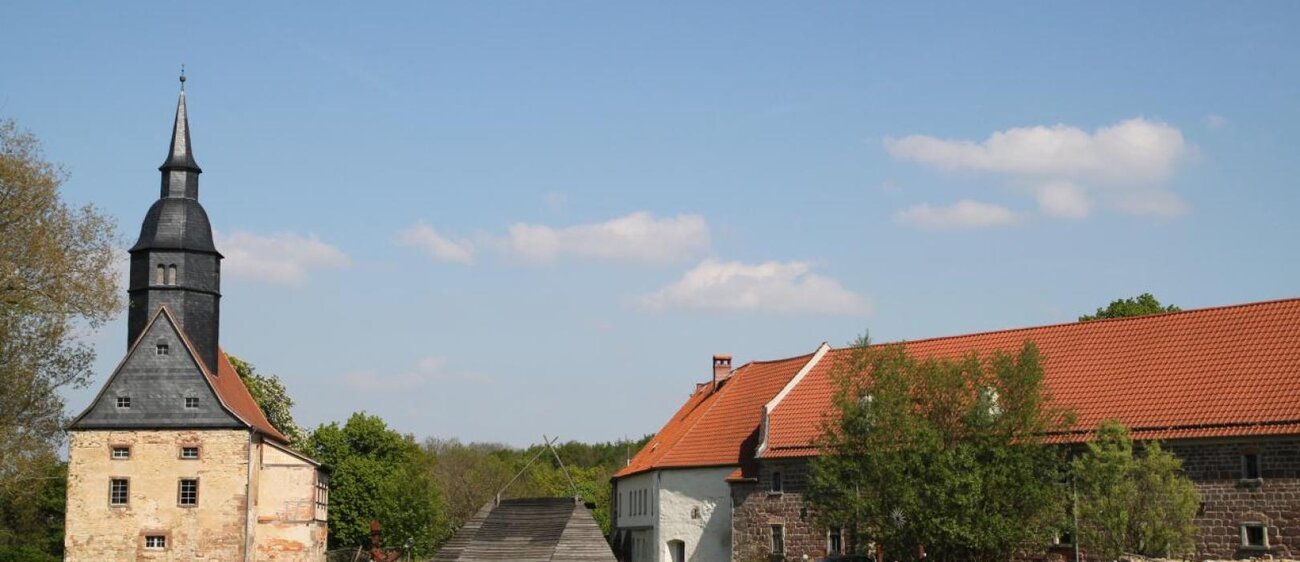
x: 232, y: 396
x: 1215, y: 372
x: 529, y: 530
x: 717, y: 428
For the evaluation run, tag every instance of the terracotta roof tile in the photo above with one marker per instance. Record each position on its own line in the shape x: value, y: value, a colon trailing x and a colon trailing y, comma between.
x: 717, y: 428
x: 1214, y: 372
x: 235, y: 396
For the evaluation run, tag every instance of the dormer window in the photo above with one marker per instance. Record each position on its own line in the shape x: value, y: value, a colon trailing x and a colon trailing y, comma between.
x: 123, y: 401
x: 191, y: 403
x: 162, y: 349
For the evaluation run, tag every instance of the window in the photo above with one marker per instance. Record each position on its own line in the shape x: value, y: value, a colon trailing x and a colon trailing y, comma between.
x: 191, y: 403
x: 1254, y: 535
x: 123, y: 401
x: 171, y: 274
x: 778, y: 539
x: 161, y: 277
x: 677, y: 550
x: 1063, y: 537
x: 834, y: 542
x: 118, y: 492
x: 1250, y: 466
x: 189, y: 453
x: 121, y: 453
x: 778, y: 482
x: 189, y: 492
x: 155, y: 542
x: 695, y: 512
x: 162, y: 349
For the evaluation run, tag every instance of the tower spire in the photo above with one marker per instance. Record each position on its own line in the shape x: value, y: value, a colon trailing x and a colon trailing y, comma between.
x: 181, y: 155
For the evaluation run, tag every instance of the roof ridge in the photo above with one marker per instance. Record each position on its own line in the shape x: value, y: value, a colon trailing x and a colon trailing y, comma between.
x: 1144, y: 317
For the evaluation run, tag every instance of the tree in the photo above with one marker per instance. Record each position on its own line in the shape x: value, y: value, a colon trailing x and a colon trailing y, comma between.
x: 1140, y: 305
x: 57, y: 277
x: 1133, y: 505
x: 945, y: 453
x: 378, y: 473
x: 273, y: 398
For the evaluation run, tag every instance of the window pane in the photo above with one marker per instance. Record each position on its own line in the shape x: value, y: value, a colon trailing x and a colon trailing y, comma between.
x: 189, y: 494
x: 118, y: 491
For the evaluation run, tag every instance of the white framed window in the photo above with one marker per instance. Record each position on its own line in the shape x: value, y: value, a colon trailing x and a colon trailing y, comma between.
x: 123, y: 401
x: 191, y: 403
x: 778, y: 540
x: 1254, y: 535
x: 120, y: 453
x: 119, y: 492
x: 188, y: 494
x: 155, y: 542
x: 190, y: 453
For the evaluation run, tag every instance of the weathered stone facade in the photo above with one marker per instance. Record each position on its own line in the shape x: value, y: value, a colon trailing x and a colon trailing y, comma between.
x: 1229, y: 501
x: 215, y: 529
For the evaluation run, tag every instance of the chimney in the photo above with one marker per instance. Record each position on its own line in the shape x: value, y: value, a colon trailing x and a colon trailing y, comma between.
x: 721, y: 368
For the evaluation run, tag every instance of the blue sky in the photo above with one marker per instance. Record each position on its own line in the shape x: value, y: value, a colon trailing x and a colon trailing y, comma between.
x: 497, y: 220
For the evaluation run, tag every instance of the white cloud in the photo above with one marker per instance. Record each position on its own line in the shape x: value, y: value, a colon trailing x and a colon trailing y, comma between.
x: 964, y: 214
x: 1066, y: 168
x: 1215, y: 121
x: 283, y: 258
x: 1063, y: 199
x: 438, y: 247
x: 785, y: 287
x: 429, y: 370
x: 639, y: 237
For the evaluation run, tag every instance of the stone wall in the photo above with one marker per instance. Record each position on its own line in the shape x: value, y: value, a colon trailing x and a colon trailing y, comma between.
x: 215, y: 529
x: 1228, y: 502
x: 288, y: 528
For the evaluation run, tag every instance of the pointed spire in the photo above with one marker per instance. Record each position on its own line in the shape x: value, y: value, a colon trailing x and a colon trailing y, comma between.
x: 181, y: 156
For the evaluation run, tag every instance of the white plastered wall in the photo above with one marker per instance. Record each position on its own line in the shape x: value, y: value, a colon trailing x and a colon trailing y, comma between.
x: 681, y: 493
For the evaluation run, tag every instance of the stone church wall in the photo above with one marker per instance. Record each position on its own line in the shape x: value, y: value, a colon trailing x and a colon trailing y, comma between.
x: 213, y: 530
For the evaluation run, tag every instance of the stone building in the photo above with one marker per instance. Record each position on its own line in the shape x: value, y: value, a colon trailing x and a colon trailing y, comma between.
x: 1220, y: 387
x: 174, y: 460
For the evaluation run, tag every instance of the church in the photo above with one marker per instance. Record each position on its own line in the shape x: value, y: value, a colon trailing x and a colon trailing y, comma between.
x: 174, y: 460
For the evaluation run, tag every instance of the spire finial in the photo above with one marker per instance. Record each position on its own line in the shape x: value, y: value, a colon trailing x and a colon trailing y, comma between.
x: 182, y: 77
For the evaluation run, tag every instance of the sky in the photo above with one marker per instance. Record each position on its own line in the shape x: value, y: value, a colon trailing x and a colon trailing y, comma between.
x: 495, y: 220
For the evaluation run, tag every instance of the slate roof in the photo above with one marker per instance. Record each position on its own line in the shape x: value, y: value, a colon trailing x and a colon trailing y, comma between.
x: 529, y: 530
x: 1215, y: 372
x: 717, y: 428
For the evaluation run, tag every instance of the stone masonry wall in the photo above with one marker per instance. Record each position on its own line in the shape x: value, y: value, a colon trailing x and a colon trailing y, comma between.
x: 215, y: 529
x: 1228, y: 501
x: 288, y: 528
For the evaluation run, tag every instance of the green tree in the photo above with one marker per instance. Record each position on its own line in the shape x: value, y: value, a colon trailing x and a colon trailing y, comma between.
x: 1140, y: 305
x: 271, y: 395
x: 945, y: 453
x: 1133, y: 504
x: 57, y: 277
x: 378, y: 473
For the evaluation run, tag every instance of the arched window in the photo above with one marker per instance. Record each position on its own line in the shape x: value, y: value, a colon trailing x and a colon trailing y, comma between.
x: 171, y: 274
x: 160, y: 278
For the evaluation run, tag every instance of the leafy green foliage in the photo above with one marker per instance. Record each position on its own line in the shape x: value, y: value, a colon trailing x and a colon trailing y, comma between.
x: 378, y: 473
x: 271, y: 395
x: 942, y: 453
x: 1129, y: 504
x: 1140, y: 305
x: 57, y: 276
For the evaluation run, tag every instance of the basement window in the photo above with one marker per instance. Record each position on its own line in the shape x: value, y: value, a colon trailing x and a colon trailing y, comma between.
x: 1254, y: 535
x: 191, y: 403
x: 155, y: 542
x: 123, y: 401
x: 121, y: 453
x: 1250, y: 466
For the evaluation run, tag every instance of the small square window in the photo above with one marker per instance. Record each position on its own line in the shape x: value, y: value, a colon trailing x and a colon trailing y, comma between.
x: 155, y: 542
x: 1254, y: 535
x: 118, y: 492
x: 121, y: 453
x: 778, y: 483
x: 123, y: 401
x: 189, y: 492
x: 189, y: 453
x: 1250, y: 466
x: 191, y: 403
x: 162, y: 349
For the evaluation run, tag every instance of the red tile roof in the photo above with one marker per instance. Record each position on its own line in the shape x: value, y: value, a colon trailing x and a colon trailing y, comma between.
x: 230, y: 388
x: 717, y: 428
x: 1215, y: 372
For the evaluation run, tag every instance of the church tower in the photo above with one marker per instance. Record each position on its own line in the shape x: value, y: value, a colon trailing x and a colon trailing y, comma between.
x: 174, y: 262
